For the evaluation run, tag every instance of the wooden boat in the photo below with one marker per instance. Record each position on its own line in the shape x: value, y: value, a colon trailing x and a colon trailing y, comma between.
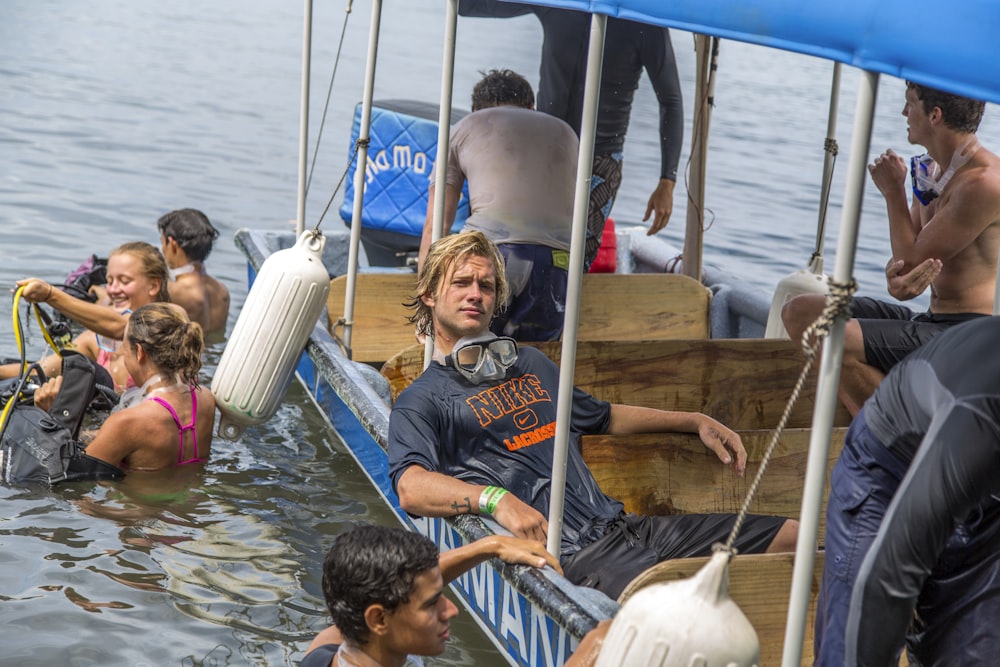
x: 701, y: 349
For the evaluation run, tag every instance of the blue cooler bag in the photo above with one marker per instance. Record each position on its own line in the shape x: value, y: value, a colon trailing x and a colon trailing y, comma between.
x: 401, y: 154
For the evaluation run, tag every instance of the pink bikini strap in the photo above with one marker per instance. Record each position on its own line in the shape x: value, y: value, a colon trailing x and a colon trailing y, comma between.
x: 182, y: 429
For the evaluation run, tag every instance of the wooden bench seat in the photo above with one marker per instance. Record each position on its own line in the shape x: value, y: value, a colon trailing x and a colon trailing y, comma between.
x: 648, y: 306
x: 744, y: 383
x: 381, y: 328
x: 674, y: 473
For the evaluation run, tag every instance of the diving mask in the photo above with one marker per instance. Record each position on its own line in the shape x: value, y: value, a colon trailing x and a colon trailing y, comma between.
x: 482, y: 359
x: 923, y: 169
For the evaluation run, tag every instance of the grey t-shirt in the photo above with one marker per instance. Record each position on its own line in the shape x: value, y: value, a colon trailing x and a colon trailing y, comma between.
x: 521, y: 169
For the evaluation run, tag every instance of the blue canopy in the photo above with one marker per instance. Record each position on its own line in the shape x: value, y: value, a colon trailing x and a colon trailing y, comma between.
x: 953, y: 46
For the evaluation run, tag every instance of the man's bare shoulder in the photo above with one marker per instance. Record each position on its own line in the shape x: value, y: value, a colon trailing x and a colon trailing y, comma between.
x: 205, y: 299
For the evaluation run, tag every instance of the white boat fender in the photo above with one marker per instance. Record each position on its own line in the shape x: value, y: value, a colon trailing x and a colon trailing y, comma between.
x: 678, y: 624
x: 803, y: 281
x: 280, y: 311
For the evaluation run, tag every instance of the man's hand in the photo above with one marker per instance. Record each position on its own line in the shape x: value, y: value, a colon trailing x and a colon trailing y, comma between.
x: 905, y: 286
x: 45, y: 395
x: 722, y: 441
x: 526, y: 552
x: 889, y: 173
x: 662, y: 202
x: 521, y: 519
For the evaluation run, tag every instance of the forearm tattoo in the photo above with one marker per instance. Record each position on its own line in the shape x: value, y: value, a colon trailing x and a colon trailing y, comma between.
x: 462, y: 508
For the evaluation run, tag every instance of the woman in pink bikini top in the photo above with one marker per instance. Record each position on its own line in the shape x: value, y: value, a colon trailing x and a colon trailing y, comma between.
x: 173, y: 426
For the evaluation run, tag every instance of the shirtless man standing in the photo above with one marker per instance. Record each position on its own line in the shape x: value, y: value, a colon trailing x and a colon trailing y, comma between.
x: 945, y: 239
x: 186, y: 236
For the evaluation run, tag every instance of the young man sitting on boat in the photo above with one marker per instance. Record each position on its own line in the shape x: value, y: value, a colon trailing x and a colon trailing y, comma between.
x: 521, y: 168
x: 384, y: 588
x: 474, y: 434
x: 186, y: 237
x: 913, y: 520
x: 946, y: 239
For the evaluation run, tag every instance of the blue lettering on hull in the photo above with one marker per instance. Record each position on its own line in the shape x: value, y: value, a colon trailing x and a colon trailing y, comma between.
x: 529, y: 636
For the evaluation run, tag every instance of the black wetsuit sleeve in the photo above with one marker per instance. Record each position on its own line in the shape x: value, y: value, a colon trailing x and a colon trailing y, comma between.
x: 661, y: 67
x: 956, y: 468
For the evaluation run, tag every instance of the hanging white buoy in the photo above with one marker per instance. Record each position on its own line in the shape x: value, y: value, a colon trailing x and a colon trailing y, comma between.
x: 803, y: 281
x: 283, y: 306
x: 683, y: 623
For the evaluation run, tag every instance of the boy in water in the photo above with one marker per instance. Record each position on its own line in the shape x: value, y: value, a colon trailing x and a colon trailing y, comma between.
x: 186, y: 238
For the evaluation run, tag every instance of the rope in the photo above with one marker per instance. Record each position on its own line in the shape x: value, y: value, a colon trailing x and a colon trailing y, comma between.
x: 335, y: 330
x: 838, y: 304
x: 357, y: 146
x: 329, y: 91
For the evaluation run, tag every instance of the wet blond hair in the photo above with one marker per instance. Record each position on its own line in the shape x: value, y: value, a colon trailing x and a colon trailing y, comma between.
x: 172, y: 341
x: 445, y: 254
x: 151, y: 263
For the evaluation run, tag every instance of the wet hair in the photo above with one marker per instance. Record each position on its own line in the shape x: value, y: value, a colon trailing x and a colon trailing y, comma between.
x: 500, y: 87
x: 962, y: 114
x: 151, y: 263
x: 372, y: 565
x: 445, y: 254
x: 173, y: 342
x: 192, y: 231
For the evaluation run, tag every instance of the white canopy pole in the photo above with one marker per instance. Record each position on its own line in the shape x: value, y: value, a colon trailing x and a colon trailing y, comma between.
x: 816, y: 263
x: 567, y: 360
x: 300, y: 214
x: 444, y: 134
x: 829, y: 379
x: 360, y: 169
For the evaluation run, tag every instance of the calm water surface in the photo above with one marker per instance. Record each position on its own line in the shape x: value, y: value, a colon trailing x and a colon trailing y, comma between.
x: 115, y: 112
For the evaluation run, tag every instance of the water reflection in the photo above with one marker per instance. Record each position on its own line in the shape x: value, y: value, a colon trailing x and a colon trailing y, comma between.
x: 218, y: 565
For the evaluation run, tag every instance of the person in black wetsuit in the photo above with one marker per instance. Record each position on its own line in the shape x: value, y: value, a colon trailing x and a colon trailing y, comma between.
x: 629, y: 49
x: 913, y: 519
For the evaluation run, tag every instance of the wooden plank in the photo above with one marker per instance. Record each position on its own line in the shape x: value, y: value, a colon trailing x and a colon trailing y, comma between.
x: 744, y: 383
x: 381, y: 328
x: 612, y: 307
x: 673, y: 473
x: 643, y: 306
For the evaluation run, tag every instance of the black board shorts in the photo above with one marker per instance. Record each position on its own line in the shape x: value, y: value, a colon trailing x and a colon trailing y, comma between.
x: 891, y: 332
x: 634, y: 543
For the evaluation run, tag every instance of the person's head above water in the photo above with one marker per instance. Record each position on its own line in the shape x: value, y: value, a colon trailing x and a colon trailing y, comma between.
x: 171, y: 342
x: 384, y: 590
x: 191, y: 230
x: 137, y: 275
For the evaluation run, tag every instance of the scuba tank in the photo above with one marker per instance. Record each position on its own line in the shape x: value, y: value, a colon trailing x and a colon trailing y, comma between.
x: 280, y: 311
